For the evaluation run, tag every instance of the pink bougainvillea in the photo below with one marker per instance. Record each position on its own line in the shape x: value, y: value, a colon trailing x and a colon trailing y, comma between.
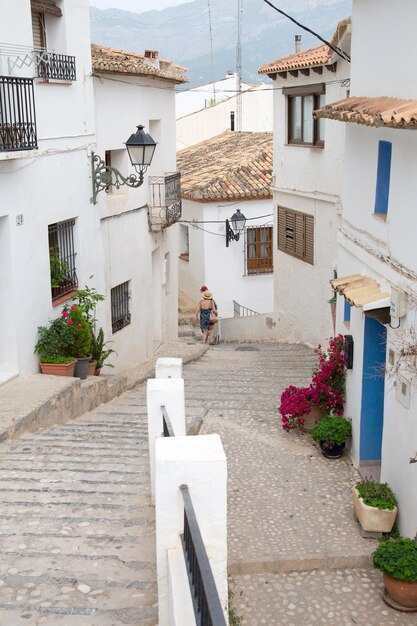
x: 326, y: 390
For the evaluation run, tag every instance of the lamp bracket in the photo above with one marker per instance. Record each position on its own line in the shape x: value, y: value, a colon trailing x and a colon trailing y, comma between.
x: 230, y: 234
x: 105, y: 175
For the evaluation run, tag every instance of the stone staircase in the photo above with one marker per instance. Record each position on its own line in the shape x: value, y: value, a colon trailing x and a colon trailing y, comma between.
x: 187, y: 325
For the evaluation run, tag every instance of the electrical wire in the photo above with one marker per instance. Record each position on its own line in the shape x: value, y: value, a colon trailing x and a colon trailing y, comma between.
x: 258, y: 217
x: 338, y: 51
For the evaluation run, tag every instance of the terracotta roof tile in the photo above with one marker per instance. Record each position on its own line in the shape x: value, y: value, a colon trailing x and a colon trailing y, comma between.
x: 358, y: 289
x: 382, y: 111
x: 229, y: 166
x: 320, y: 55
x: 114, y: 61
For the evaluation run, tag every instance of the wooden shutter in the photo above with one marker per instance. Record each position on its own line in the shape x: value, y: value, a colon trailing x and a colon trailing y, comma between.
x: 38, y: 30
x: 309, y: 239
x: 45, y: 6
x: 296, y: 234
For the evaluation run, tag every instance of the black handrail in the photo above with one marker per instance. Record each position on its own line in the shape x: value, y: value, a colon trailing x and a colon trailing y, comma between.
x: 207, y: 607
x: 168, y: 429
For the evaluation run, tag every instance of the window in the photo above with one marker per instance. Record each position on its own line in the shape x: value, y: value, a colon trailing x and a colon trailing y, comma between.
x: 302, y: 127
x: 383, y: 178
x: 62, y: 258
x: 296, y: 234
x: 184, y: 243
x: 258, y: 247
x: 120, y: 307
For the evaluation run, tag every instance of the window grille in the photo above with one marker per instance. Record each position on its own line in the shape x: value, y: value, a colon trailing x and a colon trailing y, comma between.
x: 296, y: 234
x: 120, y: 311
x: 62, y: 258
x: 258, y: 250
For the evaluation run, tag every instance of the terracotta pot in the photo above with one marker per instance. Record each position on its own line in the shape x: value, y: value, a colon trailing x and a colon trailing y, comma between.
x: 58, y: 369
x: 401, y: 591
x: 371, y: 519
x: 92, y: 368
x: 310, y: 419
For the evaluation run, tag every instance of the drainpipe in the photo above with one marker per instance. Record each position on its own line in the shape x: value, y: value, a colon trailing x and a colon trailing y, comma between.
x: 297, y: 39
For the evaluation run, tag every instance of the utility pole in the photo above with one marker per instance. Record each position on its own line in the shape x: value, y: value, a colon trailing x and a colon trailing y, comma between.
x: 239, y: 67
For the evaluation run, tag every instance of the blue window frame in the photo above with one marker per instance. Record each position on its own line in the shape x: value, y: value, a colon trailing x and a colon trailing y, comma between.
x: 383, y: 177
x: 346, y: 314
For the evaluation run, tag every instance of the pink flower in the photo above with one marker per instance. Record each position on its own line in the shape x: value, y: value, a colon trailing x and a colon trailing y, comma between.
x: 73, y: 308
x: 70, y: 322
x: 79, y: 325
x: 65, y: 314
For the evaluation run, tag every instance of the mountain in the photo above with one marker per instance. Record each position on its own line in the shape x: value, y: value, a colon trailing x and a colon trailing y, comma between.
x: 181, y: 33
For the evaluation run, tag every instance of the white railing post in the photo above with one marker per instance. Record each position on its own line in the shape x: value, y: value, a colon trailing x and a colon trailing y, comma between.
x: 200, y: 463
x: 168, y: 392
x: 168, y: 368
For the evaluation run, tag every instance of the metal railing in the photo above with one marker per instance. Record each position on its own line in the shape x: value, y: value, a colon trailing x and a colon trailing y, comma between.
x: 55, y: 66
x: 207, y: 607
x: 165, y: 200
x: 168, y: 429
x: 17, y: 114
x: 242, y: 311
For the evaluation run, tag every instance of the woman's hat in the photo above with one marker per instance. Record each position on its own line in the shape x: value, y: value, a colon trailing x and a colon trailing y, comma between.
x: 203, y: 288
x: 207, y: 295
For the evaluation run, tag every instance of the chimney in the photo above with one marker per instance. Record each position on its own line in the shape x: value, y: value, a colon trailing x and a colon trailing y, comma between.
x: 232, y: 120
x: 151, y: 54
x: 297, y: 39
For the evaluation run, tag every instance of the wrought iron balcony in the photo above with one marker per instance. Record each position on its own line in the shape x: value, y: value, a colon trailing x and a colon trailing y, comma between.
x: 165, y: 201
x: 17, y: 114
x: 55, y: 66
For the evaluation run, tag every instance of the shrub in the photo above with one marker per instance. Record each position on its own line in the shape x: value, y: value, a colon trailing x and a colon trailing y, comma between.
x: 58, y: 360
x: 378, y: 495
x: 82, y: 337
x: 57, y: 339
x: 295, y: 403
x: 332, y: 430
x: 397, y: 558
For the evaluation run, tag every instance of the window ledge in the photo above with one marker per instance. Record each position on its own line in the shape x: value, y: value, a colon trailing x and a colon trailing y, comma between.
x: 185, y: 257
x: 304, y: 145
x: 381, y: 217
x: 64, y: 298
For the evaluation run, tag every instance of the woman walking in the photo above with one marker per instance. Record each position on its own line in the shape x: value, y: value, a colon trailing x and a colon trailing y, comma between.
x: 204, y: 309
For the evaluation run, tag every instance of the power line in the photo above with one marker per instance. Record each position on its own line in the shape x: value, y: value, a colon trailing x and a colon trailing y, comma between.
x: 258, y: 217
x: 343, y: 82
x: 211, y: 52
x: 338, y: 51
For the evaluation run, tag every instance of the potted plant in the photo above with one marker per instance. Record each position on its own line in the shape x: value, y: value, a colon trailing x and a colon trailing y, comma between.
x: 331, y: 433
x: 398, y: 561
x: 61, y: 279
x: 87, y: 299
x: 82, y: 338
x: 54, y: 347
x: 99, y: 352
x: 297, y: 409
x: 375, y: 506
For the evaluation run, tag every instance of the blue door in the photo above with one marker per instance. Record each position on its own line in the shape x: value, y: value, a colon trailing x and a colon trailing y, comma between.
x: 373, y: 384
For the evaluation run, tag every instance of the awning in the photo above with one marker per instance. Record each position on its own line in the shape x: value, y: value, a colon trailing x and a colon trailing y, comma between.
x: 45, y: 6
x: 361, y: 291
x: 377, y: 112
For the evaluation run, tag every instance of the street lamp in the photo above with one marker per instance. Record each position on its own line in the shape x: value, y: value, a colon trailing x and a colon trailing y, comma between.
x: 238, y: 223
x: 140, y: 147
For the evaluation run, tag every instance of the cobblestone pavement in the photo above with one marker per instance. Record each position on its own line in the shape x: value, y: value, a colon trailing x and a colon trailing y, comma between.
x: 77, y: 528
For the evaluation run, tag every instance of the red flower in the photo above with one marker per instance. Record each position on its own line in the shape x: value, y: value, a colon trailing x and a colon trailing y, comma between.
x: 79, y: 325
x: 73, y: 308
x: 65, y: 314
x: 70, y: 322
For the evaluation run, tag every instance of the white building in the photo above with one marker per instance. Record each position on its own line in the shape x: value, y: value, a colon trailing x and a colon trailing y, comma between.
x: 218, y: 177
x: 138, y: 260
x: 46, y: 132
x: 256, y: 113
x: 307, y: 186
x: 377, y: 258
x: 47, y: 217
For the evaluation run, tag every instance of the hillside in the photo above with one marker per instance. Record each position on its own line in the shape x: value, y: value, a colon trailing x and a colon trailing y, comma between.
x: 182, y: 34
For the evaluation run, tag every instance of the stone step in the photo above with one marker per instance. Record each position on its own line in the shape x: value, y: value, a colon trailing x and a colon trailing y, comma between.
x: 186, y: 331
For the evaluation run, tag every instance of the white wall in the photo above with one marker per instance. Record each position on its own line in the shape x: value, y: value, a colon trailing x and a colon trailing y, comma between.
x: 190, y: 100
x: 220, y: 268
x: 257, y: 114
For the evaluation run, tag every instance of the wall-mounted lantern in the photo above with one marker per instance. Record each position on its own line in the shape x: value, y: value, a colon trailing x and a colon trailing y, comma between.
x: 233, y: 232
x: 140, y: 147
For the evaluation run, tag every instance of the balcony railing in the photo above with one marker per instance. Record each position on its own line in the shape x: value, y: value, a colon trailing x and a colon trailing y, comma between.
x: 165, y: 201
x: 55, y: 66
x: 17, y: 114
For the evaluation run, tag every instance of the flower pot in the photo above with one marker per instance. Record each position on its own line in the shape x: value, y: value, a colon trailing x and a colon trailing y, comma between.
x: 371, y: 519
x: 81, y: 367
x: 332, y: 451
x: 58, y: 369
x: 97, y: 371
x: 403, y: 592
x: 92, y: 368
x: 310, y: 419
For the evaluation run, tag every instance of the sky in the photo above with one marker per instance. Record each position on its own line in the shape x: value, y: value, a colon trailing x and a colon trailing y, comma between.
x: 137, y: 6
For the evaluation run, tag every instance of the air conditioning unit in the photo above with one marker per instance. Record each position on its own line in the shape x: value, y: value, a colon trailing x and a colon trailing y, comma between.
x: 398, y: 305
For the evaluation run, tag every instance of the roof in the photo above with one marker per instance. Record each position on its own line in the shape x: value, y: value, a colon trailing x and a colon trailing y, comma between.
x: 358, y: 289
x: 382, y: 111
x: 110, y: 60
x: 320, y: 55
x: 233, y: 165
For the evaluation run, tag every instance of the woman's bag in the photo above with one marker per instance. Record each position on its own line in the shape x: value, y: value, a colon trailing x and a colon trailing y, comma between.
x: 213, y: 317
